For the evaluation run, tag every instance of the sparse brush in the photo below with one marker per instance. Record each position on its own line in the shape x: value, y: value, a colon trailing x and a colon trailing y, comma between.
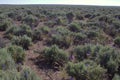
x: 6, y: 23
x: 17, y: 53
x: 55, y: 55
x: 75, y: 27
x: 86, y: 69
x: 6, y: 61
x: 28, y: 74
x: 23, y: 41
x: 117, y: 41
x: 31, y: 20
x: 21, y: 30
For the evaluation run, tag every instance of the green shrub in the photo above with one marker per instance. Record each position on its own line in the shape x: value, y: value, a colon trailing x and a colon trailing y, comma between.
x: 116, y: 24
x: 5, y: 24
x: 82, y: 52
x: 2, y: 16
x: 116, y: 77
x: 23, y: 41
x: 19, y: 30
x: 31, y: 20
x: 112, y: 67
x: 59, y: 21
x: 3, y: 42
x: 107, y: 57
x: 11, y: 30
x: 11, y: 14
x: 92, y: 34
x: 17, y: 53
x: 39, y: 33
x: 85, y: 70
x: 25, y: 74
x: 79, y: 17
x: 61, y: 41
x: 111, y: 30
x: 88, y: 15
x: 28, y: 74
x: 55, y: 55
x: 24, y: 30
x: 106, y: 19
x: 61, y: 37
x: 6, y: 61
x: 45, y: 29
x: 79, y: 38
x: 9, y: 75
x: 70, y: 17
x: 50, y: 23
x: 117, y: 41
x: 19, y: 17
x: 62, y: 30
x: 74, y: 27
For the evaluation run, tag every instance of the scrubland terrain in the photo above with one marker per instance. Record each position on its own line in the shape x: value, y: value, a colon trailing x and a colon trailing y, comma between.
x: 58, y: 42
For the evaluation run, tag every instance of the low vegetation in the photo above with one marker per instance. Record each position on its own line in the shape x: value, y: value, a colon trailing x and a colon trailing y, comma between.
x: 77, y: 42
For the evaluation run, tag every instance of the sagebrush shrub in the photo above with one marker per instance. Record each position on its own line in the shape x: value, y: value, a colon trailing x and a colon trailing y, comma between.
x: 75, y: 27
x: 117, y: 41
x: 9, y: 75
x: 92, y: 34
x: 116, y: 77
x: 6, y: 23
x: 28, y: 74
x: 25, y: 74
x: 116, y: 24
x: 87, y: 15
x: 59, y: 21
x: 55, y: 55
x: 24, y: 29
x: 3, y: 42
x: 11, y: 14
x: 17, y: 53
x: 6, y: 61
x: 61, y: 37
x: 82, y: 52
x: 37, y: 34
x: 31, y: 20
x: 40, y: 33
x: 79, y: 38
x: 45, y: 29
x: 79, y: 17
x: 107, y: 57
x: 21, y: 30
x: 23, y: 41
x: 70, y: 17
x: 106, y: 19
x: 85, y: 70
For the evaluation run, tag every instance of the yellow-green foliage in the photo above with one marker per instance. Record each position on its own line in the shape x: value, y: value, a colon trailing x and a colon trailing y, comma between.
x: 85, y: 70
x: 6, y: 61
x: 17, y: 53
